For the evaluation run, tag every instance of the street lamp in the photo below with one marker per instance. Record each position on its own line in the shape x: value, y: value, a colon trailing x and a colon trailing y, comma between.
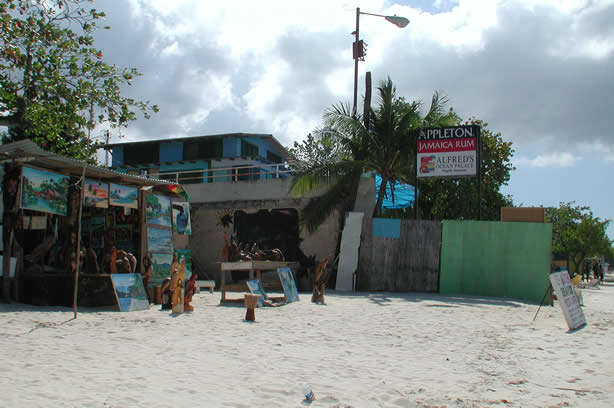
x: 359, y: 49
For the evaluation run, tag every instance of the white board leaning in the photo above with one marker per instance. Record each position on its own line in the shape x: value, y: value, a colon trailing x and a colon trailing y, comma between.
x: 565, y: 293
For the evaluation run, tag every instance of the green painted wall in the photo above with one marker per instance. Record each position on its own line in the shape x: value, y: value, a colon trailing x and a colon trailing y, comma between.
x: 499, y: 259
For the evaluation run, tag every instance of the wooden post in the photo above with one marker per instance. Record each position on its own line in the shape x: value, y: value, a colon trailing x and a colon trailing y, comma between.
x: 78, y: 254
x: 143, y: 242
x: 367, y: 106
x: 7, y: 248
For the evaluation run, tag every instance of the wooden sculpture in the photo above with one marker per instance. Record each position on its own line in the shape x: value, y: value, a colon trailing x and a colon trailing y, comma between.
x: 319, y: 282
x: 178, y: 285
x: 190, y: 290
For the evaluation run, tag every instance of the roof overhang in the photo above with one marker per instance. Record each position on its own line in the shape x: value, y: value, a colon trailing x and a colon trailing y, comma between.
x: 28, y: 153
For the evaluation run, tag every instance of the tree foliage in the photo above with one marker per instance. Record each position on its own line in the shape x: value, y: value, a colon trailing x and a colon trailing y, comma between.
x: 54, y: 86
x: 381, y: 143
x: 578, y: 233
x: 457, y: 198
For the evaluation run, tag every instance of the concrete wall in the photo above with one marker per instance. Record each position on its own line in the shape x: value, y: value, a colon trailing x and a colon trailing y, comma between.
x: 499, y: 259
x: 208, y: 201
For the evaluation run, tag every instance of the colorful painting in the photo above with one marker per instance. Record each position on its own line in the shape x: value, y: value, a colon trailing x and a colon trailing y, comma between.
x: 287, y: 282
x: 130, y: 292
x: 44, y: 191
x: 160, y: 268
x: 255, y: 287
x: 187, y: 255
x: 123, y: 196
x: 159, y: 239
x: 158, y: 210
x: 181, y: 218
x: 96, y: 194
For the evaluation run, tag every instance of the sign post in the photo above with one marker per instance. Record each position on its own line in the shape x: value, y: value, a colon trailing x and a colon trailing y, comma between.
x: 566, y: 295
x: 450, y: 152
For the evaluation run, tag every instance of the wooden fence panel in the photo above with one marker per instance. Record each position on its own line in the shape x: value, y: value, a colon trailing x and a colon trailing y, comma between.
x: 406, y: 260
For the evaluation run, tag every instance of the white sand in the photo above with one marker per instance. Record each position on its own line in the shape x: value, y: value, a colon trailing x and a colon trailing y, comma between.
x: 360, y: 350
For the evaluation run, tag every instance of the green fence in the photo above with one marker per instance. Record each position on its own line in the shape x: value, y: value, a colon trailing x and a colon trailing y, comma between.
x: 499, y: 259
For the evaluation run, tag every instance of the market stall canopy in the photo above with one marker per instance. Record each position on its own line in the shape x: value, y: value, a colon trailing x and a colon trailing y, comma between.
x: 403, y: 197
x: 26, y: 151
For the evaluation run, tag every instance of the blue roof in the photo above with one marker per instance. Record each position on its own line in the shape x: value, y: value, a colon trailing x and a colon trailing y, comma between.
x: 403, y: 197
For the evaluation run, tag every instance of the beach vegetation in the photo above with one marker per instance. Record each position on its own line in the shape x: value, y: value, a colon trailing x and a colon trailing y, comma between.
x: 577, y: 232
x: 55, y: 87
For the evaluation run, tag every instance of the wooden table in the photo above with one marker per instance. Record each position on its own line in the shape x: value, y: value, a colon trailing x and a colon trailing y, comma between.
x: 251, y: 267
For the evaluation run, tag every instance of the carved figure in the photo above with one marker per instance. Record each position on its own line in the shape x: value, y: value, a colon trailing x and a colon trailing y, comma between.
x: 320, y: 276
x: 190, y: 290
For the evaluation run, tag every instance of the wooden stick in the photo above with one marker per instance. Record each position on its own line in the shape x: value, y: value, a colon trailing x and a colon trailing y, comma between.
x: 78, y: 255
x: 542, y: 302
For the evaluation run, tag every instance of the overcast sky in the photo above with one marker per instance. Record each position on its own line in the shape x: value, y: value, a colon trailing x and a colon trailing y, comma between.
x: 538, y: 71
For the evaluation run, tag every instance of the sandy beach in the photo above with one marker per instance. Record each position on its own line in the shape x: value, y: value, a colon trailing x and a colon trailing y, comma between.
x: 359, y: 350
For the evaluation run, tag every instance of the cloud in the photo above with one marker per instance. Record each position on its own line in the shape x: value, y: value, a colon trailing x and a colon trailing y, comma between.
x: 535, y: 70
x: 556, y: 160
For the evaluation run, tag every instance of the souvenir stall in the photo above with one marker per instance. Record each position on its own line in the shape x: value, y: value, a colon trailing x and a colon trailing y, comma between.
x: 56, y: 207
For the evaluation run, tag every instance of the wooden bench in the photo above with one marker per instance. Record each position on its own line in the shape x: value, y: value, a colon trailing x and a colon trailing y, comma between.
x: 205, y: 284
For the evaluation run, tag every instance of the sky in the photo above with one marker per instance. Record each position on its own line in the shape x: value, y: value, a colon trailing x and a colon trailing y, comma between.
x: 540, y: 72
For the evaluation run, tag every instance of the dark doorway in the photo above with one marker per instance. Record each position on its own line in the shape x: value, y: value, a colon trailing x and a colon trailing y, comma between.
x: 277, y: 228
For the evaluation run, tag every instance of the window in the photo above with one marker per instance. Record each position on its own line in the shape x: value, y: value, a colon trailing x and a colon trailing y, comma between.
x: 247, y: 174
x: 272, y: 157
x: 141, y: 153
x: 207, y: 148
x: 248, y: 149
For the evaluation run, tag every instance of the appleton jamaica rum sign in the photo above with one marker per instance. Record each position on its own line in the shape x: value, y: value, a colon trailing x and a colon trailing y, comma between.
x: 448, y: 151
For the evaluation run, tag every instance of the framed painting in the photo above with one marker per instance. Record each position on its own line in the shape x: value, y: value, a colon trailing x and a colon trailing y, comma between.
x: 160, y: 267
x: 123, y: 196
x: 255, y: 287
x: 181, y: 218
x: 187, y: 255
x: 44, y: 191
x: 288, y: 284
x: 130, y: 292
x: 96, y: 194
x: 159, y: 239
x: 158, y: 210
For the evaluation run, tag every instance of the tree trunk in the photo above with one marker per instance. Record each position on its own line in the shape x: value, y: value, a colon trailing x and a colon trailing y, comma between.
x: 380, y: 197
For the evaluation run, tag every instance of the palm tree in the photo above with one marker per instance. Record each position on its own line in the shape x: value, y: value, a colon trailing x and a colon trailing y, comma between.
x: 384, y: 143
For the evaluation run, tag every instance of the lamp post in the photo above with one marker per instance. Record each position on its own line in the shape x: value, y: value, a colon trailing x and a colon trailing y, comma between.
x: 358, y: 50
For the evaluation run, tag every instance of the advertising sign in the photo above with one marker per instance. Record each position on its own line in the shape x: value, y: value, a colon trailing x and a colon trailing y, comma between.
x: 565, y: 293
x: 448, y: 152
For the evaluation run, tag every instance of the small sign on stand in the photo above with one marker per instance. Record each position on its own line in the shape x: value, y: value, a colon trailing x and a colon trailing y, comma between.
x: 565, y: 293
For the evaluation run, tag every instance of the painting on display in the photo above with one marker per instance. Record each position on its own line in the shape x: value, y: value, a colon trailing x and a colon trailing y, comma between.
x: 96, y: 194
x: 159, y: 240
x: 160, y: 268
x: 187, y: 255
x: 256, y: 288
x: 44, y: 191
x: 288, y: 284
x: 158, y: 210
x: 130, y: 292
x: 123, y: 196
x: 181, y: 218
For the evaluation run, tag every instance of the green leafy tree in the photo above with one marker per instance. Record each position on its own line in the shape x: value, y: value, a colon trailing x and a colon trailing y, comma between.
x: 54, y: 86
x: 457, y: 198
x: 381, y: 143
x: 577, y: 232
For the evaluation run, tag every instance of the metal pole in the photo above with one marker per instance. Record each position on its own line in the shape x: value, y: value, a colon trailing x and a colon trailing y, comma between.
x: 356, y: 57
x: 479, y: 163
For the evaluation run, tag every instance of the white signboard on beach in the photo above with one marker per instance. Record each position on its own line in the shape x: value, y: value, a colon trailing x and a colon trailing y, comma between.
x: 348, y: 253
x: 565, y: 293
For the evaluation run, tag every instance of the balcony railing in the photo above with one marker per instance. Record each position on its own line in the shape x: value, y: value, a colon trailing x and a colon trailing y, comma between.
x: 226, y: 174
